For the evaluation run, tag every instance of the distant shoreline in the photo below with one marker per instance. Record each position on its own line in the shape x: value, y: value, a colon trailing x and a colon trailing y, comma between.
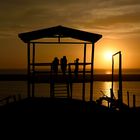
x: 97, y: 77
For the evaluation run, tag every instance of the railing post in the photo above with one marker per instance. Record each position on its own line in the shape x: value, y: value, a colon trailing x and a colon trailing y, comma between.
x: 33, y: 70
x: 128, y: 98
x: 134, y: 101
x: 28, y: 70
x: 91, y: 78
x: 111, y: 96
x: 84, y: 67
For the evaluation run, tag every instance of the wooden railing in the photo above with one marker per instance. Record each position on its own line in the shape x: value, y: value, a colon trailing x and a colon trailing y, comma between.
x: 9, y: 99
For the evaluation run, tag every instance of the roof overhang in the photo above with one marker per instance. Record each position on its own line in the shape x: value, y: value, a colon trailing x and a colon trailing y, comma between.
x: 58, y: 32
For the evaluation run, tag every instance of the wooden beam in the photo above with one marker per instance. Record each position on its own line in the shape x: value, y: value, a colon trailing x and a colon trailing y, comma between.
x: 84, y: 68
x: 112, y: 73
x: 120, y: 76
x: 33, y: 70
x: 28, y: 70
x: 92, y: 67
x: 61, y: 42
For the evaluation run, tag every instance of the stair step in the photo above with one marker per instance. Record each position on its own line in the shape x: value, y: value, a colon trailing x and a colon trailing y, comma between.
x: 60, y: 86
x: 60, y: 93
x: 60, y: 90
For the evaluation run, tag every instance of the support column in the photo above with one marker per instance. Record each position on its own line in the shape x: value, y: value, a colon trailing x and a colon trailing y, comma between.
x: 112, y: 72
x: 84, y: 68
x: 120, y: 78
x: 33, y: 70
x: 120, y: 73
x: 91, y: 78
x: 28, y: 70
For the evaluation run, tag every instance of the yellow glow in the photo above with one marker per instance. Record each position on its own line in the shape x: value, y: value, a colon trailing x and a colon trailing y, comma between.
x: 104, y: 58
x: 108, y: 55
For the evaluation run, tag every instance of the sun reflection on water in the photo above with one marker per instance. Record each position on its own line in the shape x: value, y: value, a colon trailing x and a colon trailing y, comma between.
x: 108, y: 72
x: 106, y: 86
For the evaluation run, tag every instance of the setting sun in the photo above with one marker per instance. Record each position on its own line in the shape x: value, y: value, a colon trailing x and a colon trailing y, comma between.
x: 108, y: 55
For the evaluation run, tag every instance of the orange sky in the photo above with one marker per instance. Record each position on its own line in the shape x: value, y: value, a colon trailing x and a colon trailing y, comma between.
x: 118, y: 22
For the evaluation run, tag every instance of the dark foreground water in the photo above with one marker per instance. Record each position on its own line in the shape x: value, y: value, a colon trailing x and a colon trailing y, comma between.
x: 42, y: 90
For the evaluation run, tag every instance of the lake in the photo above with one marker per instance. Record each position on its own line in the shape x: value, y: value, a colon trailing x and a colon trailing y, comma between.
x: 42, y: 90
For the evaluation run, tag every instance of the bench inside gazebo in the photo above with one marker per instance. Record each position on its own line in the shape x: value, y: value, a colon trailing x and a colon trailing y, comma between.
x: 67, y: 80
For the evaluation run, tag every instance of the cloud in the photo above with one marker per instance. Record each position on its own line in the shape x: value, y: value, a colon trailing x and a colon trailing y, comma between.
x: 113, y: 22
x: 106, y: 17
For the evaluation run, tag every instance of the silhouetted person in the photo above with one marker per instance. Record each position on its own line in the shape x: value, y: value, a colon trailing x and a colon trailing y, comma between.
x: 76, y: 67
x: 64, y: 64
x: 55, y: 64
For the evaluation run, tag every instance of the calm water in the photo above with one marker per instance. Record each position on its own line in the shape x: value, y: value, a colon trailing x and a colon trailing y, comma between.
x: 42, y: 90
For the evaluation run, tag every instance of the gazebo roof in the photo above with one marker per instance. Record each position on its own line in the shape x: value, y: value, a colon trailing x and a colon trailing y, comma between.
x: 59, y: 31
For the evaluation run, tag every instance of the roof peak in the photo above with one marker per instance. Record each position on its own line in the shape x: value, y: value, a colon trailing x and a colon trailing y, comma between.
x: 59, y: 31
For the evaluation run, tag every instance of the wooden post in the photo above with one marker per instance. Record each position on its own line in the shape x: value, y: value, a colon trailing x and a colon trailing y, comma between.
x: 120, y: 99
x: 128, y: 99
x: 91, y: 78
x: 108, y: 104
x: 84, y: 67
x: 120, y: 78
x: 28, y: 70
x: 111, y: 96
x: 112, y: 72
x: 134, y: 101
x: 33, y: 70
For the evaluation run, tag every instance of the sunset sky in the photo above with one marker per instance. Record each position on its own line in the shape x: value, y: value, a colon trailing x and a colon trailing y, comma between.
x: 117, y: 20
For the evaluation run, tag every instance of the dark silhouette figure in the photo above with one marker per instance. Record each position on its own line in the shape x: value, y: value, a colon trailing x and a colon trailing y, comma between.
x: 55, y: 64
x: 76, y: 67
x: 64, y: 64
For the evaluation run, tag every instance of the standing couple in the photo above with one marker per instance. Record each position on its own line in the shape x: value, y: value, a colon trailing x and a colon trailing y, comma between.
x: 63, y: 63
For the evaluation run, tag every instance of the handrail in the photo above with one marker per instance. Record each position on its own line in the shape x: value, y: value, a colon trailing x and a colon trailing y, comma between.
x: 49, y: 71
x: 41, y: 64
x: 49, y: 64
x: 7, y: 98
x: 79, y: 63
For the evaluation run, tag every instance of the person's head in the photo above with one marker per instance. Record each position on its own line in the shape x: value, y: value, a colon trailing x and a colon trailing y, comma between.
x: 77, y: 59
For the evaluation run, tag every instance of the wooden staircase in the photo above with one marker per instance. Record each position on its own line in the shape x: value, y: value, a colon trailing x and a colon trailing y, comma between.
x: 60, y: 88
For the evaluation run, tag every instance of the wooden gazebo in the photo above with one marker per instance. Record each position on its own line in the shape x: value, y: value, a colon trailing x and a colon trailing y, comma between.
x: 30, y: 38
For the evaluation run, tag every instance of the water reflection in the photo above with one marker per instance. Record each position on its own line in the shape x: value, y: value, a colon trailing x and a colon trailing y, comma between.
x: 103, y: 89
x: 99, y: 89
x: 106, y: 88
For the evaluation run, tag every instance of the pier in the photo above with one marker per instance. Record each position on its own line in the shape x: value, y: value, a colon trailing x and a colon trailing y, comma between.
x: 61, y: 81
x: 59, y: 33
